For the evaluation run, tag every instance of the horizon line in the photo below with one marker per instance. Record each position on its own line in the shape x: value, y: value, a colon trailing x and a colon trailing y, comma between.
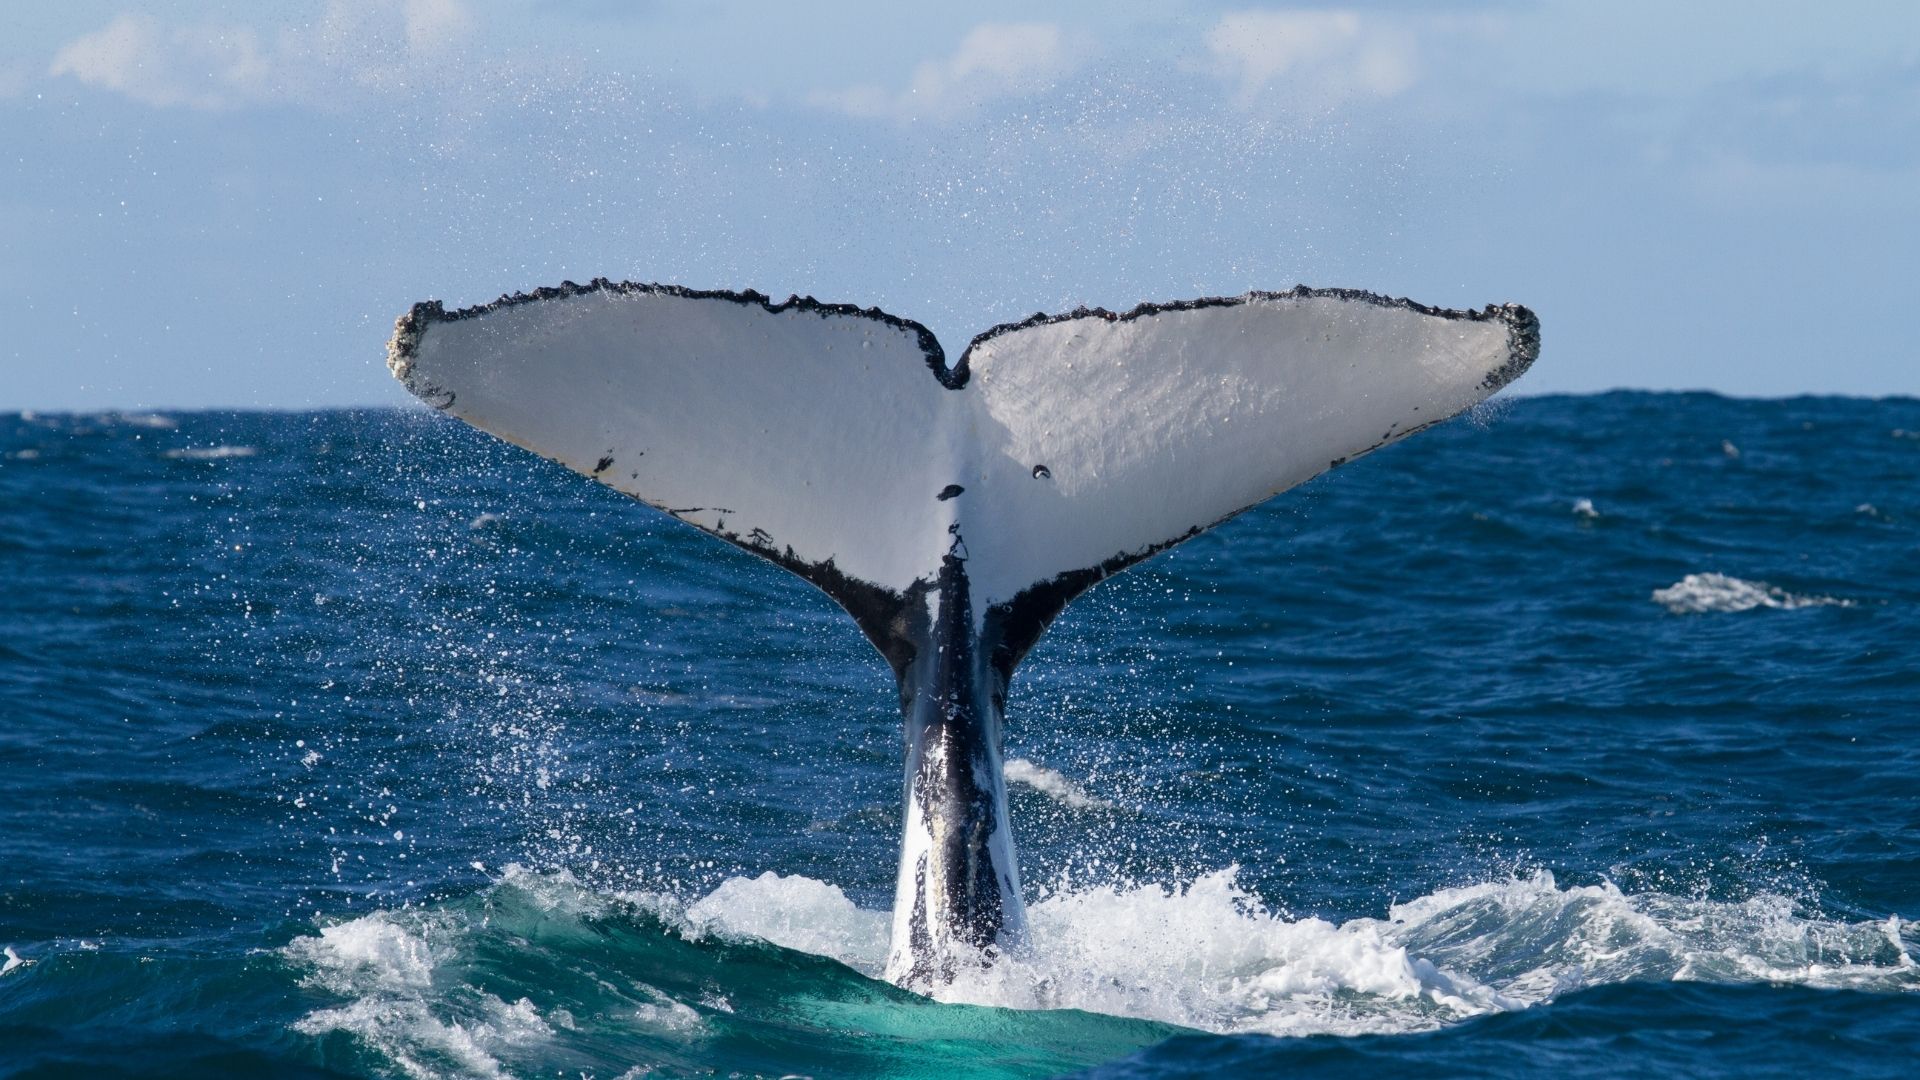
x: 1510, y: 396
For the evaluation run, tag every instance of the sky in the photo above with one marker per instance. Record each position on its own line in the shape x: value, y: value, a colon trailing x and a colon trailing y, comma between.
x: 225, y: 204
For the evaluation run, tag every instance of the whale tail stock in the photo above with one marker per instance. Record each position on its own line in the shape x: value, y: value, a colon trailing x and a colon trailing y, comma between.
x: 953, y: 510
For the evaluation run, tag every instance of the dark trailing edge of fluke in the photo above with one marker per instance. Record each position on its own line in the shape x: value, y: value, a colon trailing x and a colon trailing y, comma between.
x: 1523, y: 326
x: 407, y: 331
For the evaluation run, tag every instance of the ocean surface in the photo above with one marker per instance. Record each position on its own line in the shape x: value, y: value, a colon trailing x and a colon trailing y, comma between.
x: 1578, y: 737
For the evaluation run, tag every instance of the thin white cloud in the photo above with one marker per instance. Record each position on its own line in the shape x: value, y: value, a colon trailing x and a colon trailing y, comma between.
x: 993, y: 61
x: 354, y: 45
x: 202, y: 67
x: 436, y: 26
x: 1312, y: 60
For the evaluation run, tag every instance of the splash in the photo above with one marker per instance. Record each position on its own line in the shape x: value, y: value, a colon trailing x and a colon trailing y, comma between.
x: 1208, y: 955
x: 1053, y: 784
x: 539, y: 967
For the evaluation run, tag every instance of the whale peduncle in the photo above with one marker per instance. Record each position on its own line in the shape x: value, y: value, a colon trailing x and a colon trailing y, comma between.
x: 957, y: 902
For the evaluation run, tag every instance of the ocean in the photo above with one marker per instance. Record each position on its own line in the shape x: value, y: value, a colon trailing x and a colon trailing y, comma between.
x: 1577, y: 736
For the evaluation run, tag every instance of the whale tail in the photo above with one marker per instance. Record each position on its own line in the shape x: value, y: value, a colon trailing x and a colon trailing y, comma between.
x: 953, y: 510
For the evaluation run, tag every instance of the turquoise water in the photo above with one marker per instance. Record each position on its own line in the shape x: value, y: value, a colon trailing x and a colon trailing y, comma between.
x: 1578, y: 736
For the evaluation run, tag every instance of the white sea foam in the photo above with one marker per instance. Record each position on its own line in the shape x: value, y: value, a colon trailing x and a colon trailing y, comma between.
x: 407, y: 1033
x: 386, y: 968
x: 670, y: 1016
x: 1596, y: 934
x: 211, y: 453
x: 1699, y: 593
x: 1052, y: 784
x: 1583, y: 509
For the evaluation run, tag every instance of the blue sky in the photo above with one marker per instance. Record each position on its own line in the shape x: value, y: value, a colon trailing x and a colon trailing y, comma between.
x: 227, y: 204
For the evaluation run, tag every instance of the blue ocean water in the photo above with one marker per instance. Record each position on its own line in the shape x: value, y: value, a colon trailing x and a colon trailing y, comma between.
x: 1577, y: 736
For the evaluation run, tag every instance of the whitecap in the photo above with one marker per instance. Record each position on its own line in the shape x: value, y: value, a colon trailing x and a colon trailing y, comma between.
x: 1052, y: 784
x: 211, y: 453
x: 157, y: 421
x: 1583, y: 508
x: 369, y: 952
x: 1701, y: 593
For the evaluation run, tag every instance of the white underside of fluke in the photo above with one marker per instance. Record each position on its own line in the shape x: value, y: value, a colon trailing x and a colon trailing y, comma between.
x: 813, y: 430
x: 822, y: 434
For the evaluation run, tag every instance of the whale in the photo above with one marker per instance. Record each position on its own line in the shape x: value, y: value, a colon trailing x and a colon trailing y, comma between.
x: 953, y: 508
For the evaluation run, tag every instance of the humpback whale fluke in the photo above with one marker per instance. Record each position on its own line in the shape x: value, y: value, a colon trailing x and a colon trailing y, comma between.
x: 953, y: 510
